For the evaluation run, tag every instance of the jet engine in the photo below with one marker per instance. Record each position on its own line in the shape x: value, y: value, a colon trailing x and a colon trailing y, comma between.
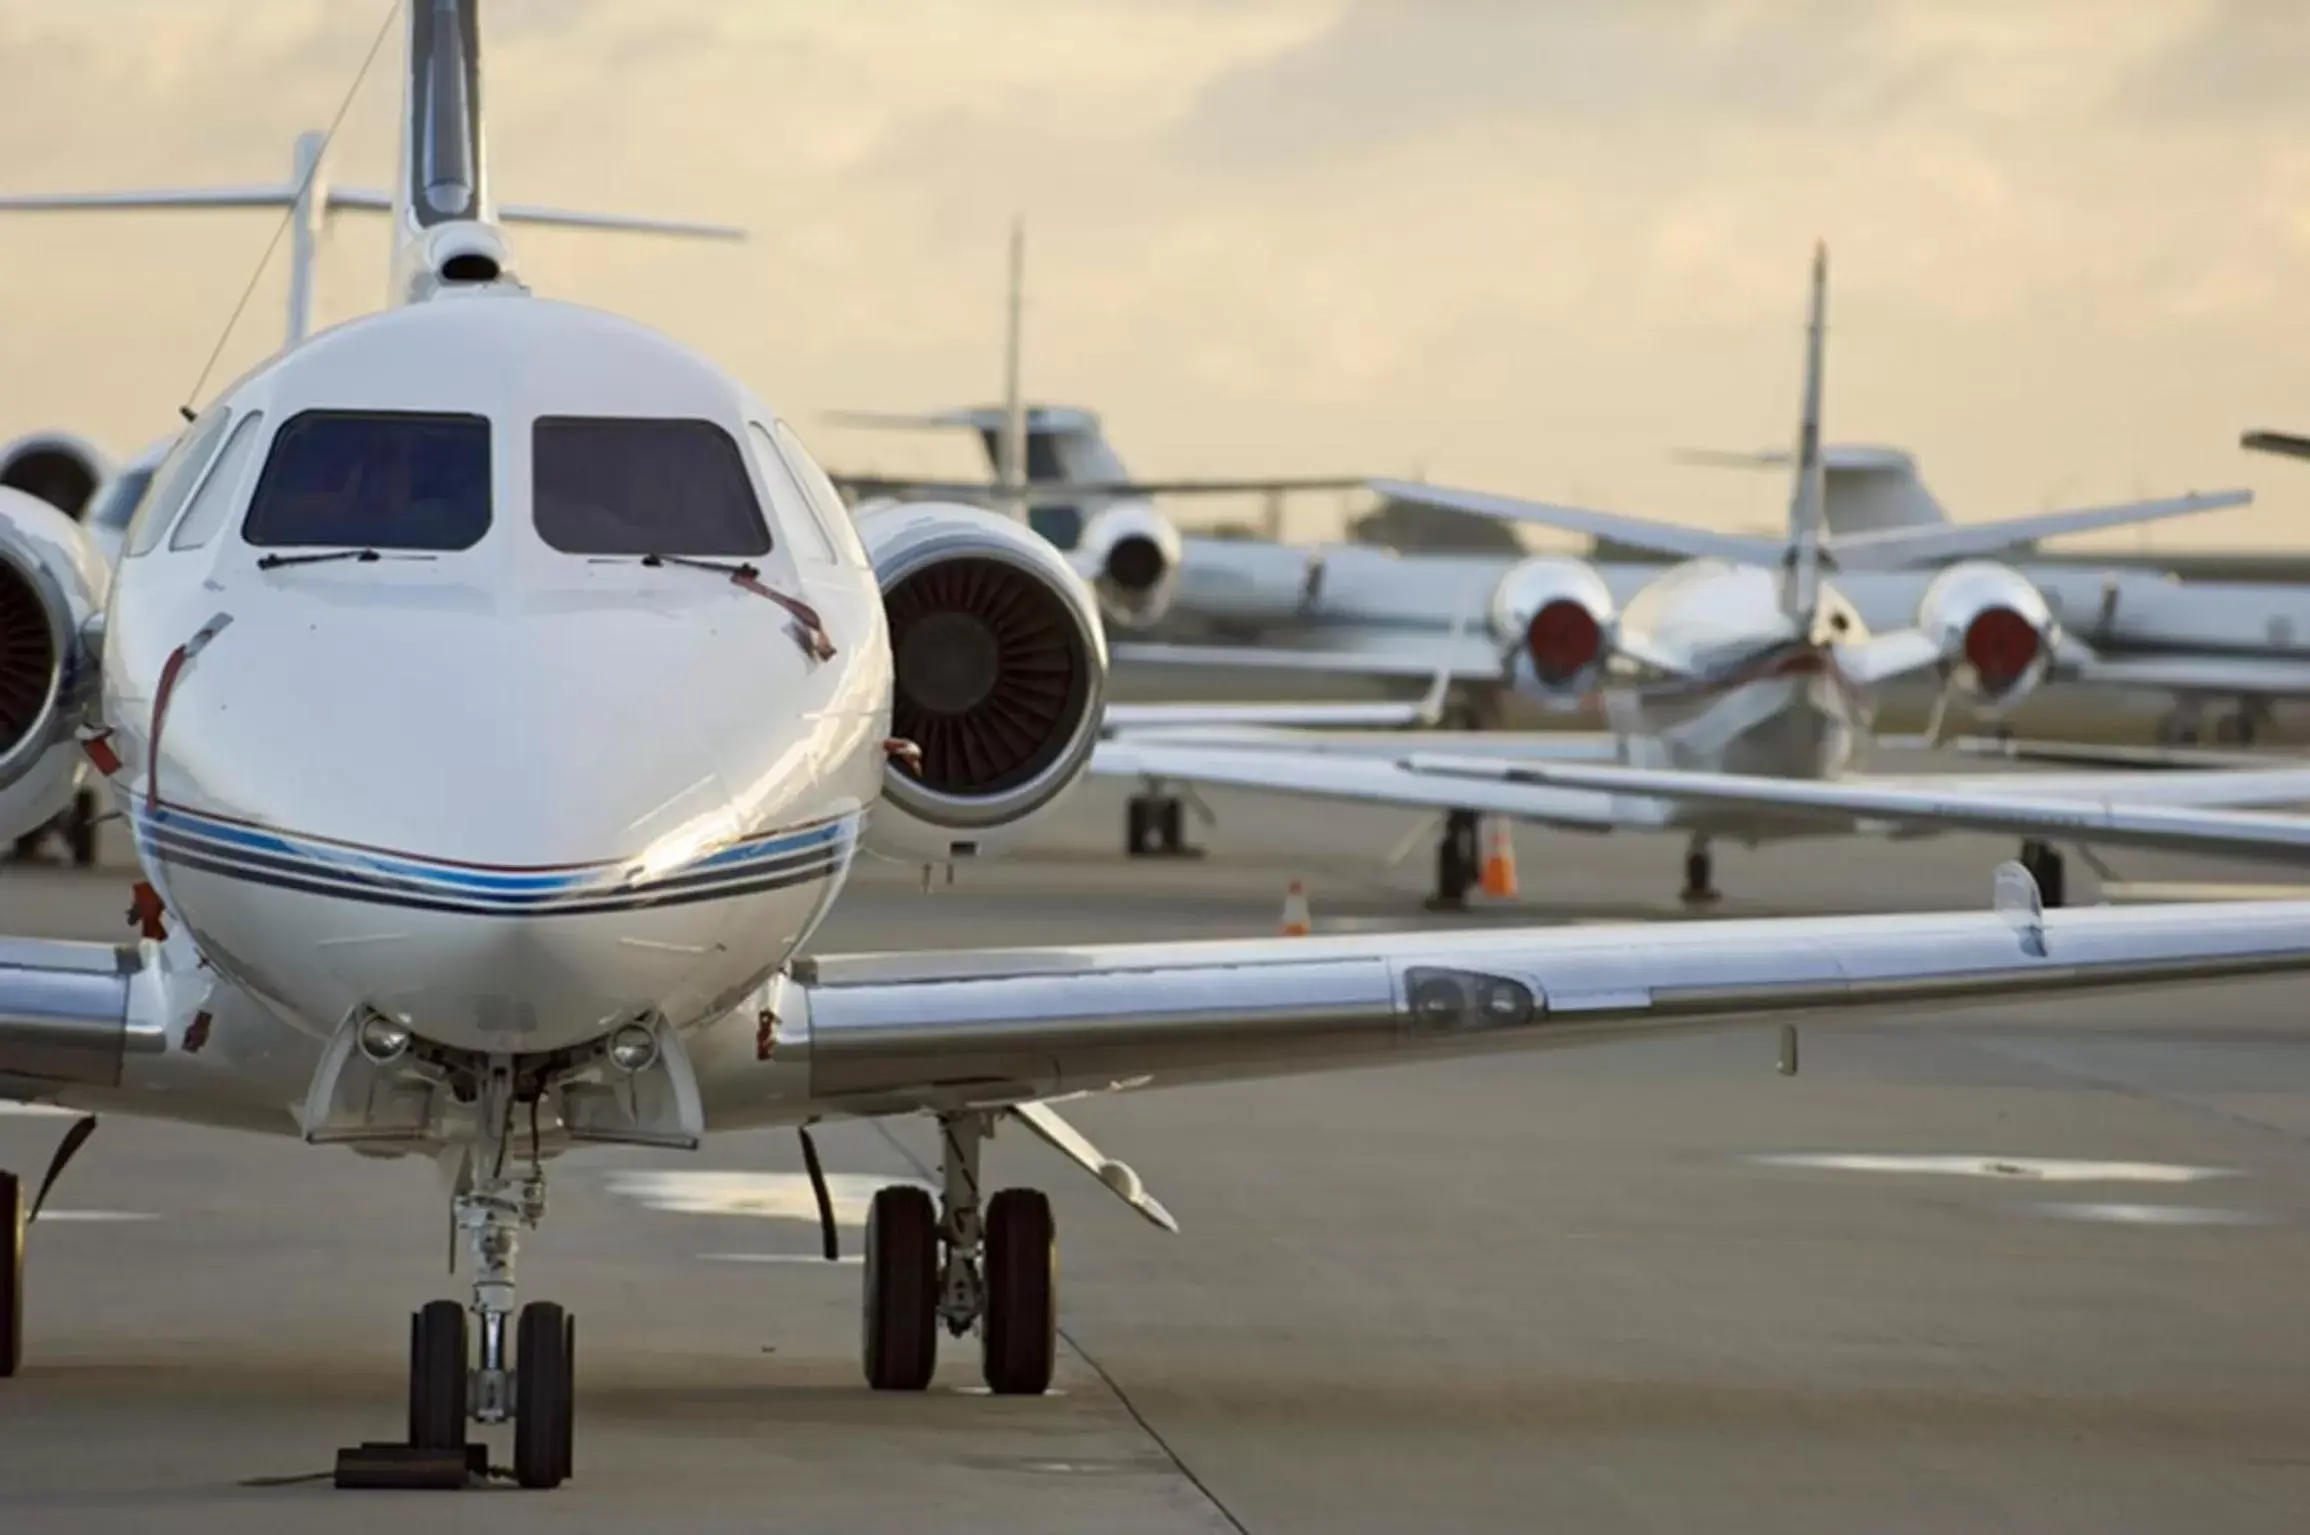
x: 58, y: 468
x: 52, y: 586
x: 1557, y: 618
x: 1993, y: 627
x: 1130, y: 554
x: 1000, y: 678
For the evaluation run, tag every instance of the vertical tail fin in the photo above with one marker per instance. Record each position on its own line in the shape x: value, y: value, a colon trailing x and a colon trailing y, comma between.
x: 1801, y: 594
x: 1011, y: 441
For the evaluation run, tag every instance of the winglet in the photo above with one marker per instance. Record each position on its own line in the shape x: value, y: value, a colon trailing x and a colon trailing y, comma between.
x: 2016, y: 898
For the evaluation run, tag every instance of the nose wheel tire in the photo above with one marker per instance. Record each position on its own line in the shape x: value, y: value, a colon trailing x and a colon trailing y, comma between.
x: 902, y: 1250
x: 437, y: 1376
x: 1019, y: 1335
x: 544, y: 1395
x: 12, y: 1223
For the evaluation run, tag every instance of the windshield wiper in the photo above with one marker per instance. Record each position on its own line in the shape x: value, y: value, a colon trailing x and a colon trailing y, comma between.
x: 810, y: 629
x: 322, y: 557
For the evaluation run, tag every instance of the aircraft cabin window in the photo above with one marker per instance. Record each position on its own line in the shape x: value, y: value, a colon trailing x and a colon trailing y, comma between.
x: 628, y: 485
x: 174, y: 480
x: 812, y: 544
x: 833, y: 511
x: 374, y: 479
x: 218, y: 493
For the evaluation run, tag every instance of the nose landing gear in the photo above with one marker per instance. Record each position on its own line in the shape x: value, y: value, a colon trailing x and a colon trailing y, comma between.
x: 484, y: 1363
x: 999, y: 1274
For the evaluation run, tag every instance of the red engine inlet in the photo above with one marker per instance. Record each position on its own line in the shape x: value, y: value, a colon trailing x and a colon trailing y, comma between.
x: 1563, y: 640
x: 2000, y: 646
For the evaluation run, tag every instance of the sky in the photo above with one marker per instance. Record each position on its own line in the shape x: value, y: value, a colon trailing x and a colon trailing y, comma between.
x: 1526, y: 247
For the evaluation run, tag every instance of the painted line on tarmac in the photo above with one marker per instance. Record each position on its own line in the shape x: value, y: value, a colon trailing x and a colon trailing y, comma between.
x: 94, y: 1217
x: 814, y: 1260
x: 2198, y: 890
x: 38, y: 1110
x: 2025, y: 1169
x: 2155, y: 1215
x: 762, y: 1195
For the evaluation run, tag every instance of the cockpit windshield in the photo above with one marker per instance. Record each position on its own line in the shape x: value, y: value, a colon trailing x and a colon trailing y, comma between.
x: 374, y: 479
x: 615, y: 485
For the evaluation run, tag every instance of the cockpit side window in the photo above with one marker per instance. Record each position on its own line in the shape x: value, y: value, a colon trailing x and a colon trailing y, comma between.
x: 220, y: 491
x: 832, y: 512
x: 624, y: 485
x: 174, y: 480
x: 374, y: 480
x: 805, y: 534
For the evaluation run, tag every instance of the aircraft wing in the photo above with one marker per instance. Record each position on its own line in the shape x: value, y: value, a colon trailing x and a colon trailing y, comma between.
x: 2234, y: 676
x: 1129, y: 719
x: 2089, y: 755
x: 1940, y: 543
x: 1637, y: 532
x: 2156, y: 809
x: 893, y: 1033
x: 2284, y: 443
x: 1461, y: 658
x: 1070, y: 492
x: 1343, y: 771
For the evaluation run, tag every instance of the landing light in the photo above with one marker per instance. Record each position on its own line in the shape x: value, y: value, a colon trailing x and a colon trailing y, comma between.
x: 633, y: 1048
x: 382, y: 1039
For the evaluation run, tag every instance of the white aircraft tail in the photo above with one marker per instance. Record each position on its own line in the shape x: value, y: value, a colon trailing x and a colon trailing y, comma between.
x: 311, y: 200
x: 1866, y: 488
x: 1801, y: 591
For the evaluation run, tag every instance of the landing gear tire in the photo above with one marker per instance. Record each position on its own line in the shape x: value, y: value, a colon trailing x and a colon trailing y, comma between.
x: 902, y: 1251
x: 1458, y: 862
x: 1155, y: 826
x: 12, y: 1224
x: 1019, y: 1336
x: 437, y: 1376
x: 1699, y: 877
x: 2046, y: 867
x: 545, y: 1395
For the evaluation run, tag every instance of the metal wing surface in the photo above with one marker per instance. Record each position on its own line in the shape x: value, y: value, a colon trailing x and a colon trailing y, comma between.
x: 2151, y: 809
x: 891, y: 1033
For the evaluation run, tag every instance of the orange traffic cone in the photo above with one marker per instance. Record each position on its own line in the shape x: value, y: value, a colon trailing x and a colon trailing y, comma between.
x: 1296, y: 923
x: 1499, y: 877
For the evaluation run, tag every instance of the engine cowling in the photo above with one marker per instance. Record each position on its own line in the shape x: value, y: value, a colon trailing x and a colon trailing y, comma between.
x: 1130, y: 554
x: 1993, y: 627
x: 1557, y: 617
x: 1000, y: 677
x: 52, y: 586
x: 56, y: 467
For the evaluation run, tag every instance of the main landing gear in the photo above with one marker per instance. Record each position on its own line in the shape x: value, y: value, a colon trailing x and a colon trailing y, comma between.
x: 2045, y: 866
x: 17, y: 1212
x: 1459, y: 861
x: 1155, y: 824
x: 958, y: 1267
x: 1699, y: 874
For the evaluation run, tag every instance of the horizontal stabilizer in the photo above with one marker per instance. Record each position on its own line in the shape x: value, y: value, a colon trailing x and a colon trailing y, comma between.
x: 2284, y: 443
x: 1637, y: 532
x: 341, y: 200
x: 1897, y: 547
x: 1069, y: 492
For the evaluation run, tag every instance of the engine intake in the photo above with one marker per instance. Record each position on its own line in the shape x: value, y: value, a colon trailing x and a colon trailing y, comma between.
x: 52, y: 583
x: 1557, y: 618
x: 55, y: 467
x: 1130, y: 554
x: 1000, y: 673
x: 1993, y: 627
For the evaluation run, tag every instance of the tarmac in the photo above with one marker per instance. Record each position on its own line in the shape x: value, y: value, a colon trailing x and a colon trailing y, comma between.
x: 2034, y: 1268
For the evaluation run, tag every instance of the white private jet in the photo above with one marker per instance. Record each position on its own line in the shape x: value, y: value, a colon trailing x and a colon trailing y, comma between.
x: 73, y: 475
x: 498, y: 693
x: 1739, y: 686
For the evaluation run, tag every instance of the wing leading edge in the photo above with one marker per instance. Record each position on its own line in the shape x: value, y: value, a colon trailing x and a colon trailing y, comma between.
x: 897, y: 1033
